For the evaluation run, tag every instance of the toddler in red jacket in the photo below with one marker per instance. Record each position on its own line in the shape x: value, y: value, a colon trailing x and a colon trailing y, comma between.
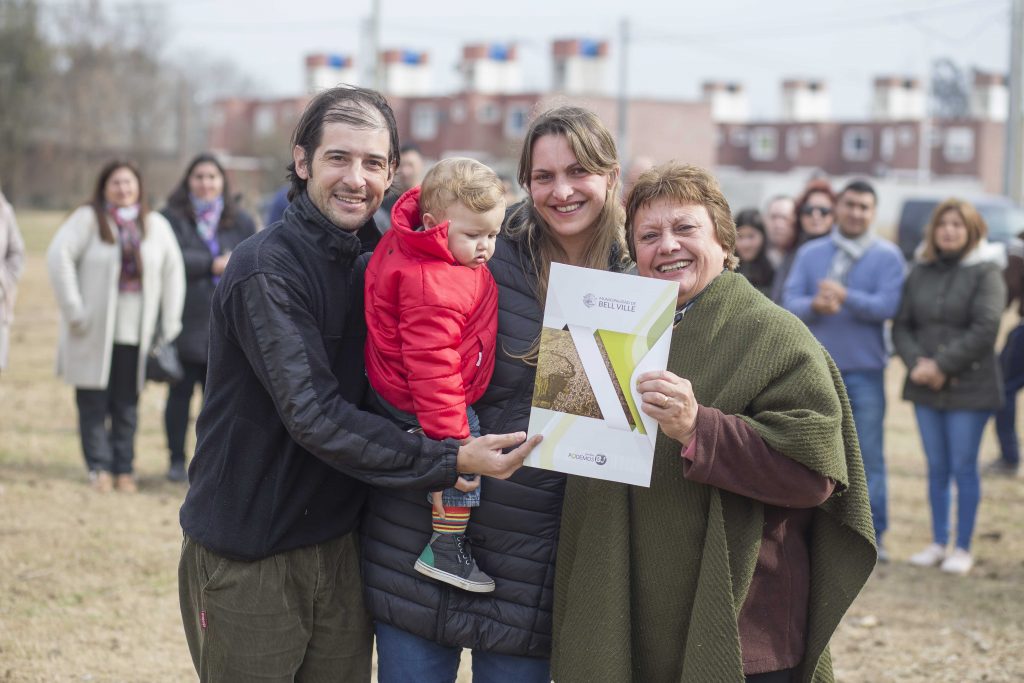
x: 432, y: 320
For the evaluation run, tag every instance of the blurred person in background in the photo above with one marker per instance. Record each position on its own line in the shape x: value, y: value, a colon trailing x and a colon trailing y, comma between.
x: 208, y: 225
x: 411, y: 170
x: 945, y: 333
x: 116, y: 270
x: 845, y: 288
x: 511, y: 193
x: 637, y: 167
x: 781, y: 229
x: 276, y: 206
x: 12, y: 263
x: 752, y: 250
x: 1011, y: 362
x: 814, y: 211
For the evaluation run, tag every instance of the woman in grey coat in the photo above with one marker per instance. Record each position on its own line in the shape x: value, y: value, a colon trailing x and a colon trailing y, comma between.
x: 116, y: 270
x: 945, y: 333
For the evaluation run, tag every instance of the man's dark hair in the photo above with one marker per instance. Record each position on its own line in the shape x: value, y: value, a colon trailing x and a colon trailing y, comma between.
x: 411, y: 147
x: 860, y: 187
x: 351, y: 105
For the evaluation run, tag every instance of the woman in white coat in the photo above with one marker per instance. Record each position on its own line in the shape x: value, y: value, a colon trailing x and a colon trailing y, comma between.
x: 116, y: 270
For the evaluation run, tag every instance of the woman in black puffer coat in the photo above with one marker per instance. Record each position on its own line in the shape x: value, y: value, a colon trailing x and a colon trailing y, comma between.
x: 572, y: 215
x: 945, y: 333
x: 208, y: 225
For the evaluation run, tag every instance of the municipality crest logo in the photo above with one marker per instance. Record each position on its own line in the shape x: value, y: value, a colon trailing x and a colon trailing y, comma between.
x: 589, y: 300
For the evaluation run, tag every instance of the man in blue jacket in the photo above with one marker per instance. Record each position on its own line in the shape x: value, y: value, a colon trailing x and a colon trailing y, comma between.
x: 845, y: 288
x: 269, y: 579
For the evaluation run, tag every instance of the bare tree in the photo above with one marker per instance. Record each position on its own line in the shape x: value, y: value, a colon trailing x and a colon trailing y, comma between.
x: 25, y: 63
x: 949, y: 92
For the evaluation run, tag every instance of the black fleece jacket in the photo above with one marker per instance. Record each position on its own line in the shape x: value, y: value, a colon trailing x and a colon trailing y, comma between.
x: 282, y: 449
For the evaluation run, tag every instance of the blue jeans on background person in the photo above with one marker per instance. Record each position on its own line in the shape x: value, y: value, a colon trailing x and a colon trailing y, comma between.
x: 406, y: 658
x: 1012, y: 361
x: 866, y: 389
x: 951, y: 440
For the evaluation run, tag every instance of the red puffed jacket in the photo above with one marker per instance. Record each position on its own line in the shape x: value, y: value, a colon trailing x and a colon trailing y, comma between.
x: 431, y: 324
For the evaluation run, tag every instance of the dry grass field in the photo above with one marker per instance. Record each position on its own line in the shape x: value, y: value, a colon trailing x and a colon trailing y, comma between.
x: 88, y: 582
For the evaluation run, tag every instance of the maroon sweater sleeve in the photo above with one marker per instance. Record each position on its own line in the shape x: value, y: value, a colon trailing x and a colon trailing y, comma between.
x: 729, y: 454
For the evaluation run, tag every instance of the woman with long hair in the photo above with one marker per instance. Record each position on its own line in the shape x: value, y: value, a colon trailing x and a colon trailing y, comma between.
x: 208, y: 225
x: 945, y: 332
x: 752, y: 250
x: 572, y: 214
x: 116, y: 270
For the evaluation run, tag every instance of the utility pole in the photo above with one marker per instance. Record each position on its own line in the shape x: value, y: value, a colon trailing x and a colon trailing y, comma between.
x: 1012, y: 162
x: 924, y: 146
x: 623, y: 128
x: 376, y: 71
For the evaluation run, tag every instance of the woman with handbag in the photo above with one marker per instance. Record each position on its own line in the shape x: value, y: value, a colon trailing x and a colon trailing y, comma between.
x: 208, y: 225
x: 116, y: 270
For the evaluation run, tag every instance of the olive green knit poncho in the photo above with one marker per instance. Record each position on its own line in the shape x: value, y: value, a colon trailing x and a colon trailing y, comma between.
x: 649, y: 582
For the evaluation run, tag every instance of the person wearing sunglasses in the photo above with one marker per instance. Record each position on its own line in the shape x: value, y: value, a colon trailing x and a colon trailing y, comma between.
x: 814, y: 211
x: 781, y: 230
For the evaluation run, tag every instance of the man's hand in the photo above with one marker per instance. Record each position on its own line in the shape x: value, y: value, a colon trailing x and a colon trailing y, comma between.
x: 484, y: 455
x: 220, y: 263
x: 829, y: 298
x: 833, y: 290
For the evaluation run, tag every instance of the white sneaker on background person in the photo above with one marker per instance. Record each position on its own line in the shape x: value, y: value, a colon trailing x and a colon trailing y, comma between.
x: 958, y: 562
x: 932, y: 556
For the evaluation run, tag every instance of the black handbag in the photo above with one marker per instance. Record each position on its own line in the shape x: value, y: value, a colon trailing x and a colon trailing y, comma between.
x: 162, y: 364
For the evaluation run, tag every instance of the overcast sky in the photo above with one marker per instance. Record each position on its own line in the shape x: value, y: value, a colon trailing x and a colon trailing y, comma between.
x: 674, y: 46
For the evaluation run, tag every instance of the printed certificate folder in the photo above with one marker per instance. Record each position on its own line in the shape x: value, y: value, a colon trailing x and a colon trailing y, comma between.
x: 601, y: 330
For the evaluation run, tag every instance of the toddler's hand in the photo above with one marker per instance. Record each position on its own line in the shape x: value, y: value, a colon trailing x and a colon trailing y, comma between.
x: 467, y: 485
x: 436, y: 498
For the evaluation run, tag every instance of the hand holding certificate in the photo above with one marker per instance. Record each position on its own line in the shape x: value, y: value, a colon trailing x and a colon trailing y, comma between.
x: 601, y: 332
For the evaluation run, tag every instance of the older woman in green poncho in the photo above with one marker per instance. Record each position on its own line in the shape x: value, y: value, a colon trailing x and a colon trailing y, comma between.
x: 755, y: 535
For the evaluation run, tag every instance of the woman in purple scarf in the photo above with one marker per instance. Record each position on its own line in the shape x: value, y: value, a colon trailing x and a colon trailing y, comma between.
x: 209, y: 225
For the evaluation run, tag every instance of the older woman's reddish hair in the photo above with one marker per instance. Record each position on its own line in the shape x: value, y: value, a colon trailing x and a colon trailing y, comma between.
x: 684, y: 184
x: 816, y: 186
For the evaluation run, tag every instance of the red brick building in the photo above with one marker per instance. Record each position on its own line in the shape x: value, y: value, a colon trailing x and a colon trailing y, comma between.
x: 487, y: 118
x: 886, y: 145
